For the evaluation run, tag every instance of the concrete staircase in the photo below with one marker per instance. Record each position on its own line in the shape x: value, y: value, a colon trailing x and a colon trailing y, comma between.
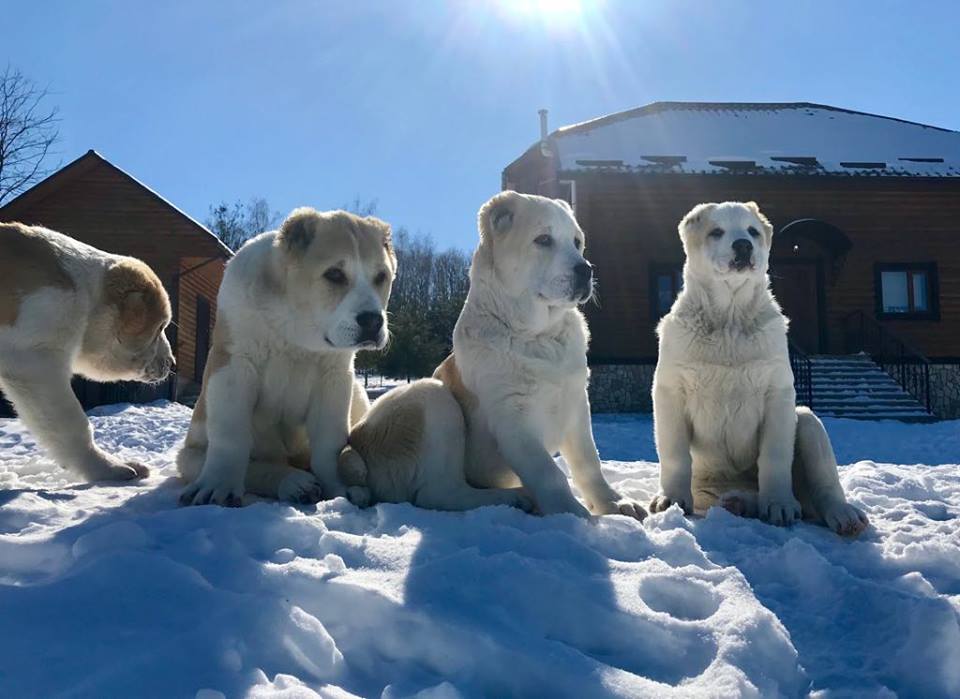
x: 853, y: 386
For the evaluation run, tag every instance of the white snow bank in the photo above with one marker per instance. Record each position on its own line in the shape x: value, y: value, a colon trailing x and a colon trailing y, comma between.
x: 115, y: 591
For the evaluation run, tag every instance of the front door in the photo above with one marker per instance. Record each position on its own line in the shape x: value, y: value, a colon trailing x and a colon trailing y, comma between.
x: 797, y: 284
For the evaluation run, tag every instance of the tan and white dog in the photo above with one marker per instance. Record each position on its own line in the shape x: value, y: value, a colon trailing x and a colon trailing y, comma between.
x: 68, y: 308
x: 279, y: 393
x: 512, y: 394
x: 727, y: 428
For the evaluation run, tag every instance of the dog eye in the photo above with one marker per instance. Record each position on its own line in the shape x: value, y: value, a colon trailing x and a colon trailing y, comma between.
x: 716, y: 233
x: 380, y: 278
x: 577, y: 243
x: 753, y: 231
x: 544, y: 241
x: 335, y: 275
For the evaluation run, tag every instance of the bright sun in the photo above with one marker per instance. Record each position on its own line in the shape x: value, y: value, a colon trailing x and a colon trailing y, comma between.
x: 551, y: 11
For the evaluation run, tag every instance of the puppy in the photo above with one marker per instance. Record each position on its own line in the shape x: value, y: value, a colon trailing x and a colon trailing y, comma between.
x: 727, y: 429
x: 279, y: 393
x: 512, y: 394
x: 68, y: 308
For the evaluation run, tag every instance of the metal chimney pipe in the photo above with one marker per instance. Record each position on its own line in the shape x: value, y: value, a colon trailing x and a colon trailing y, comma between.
x: 543, y: 124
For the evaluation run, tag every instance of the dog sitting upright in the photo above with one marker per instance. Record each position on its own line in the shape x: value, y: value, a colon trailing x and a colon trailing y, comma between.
x: 279, y: 393
x: 512, y: 394
x: 726, y: 425
x: 68, y: 308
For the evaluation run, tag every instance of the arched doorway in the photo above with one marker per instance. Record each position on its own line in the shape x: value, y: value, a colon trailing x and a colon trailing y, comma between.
x: 807, y: 255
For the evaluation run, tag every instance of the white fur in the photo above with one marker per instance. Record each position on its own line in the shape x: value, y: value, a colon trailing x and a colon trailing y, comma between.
x: 520, y: 344
x: 61, y: 332
x: 285, y: 398
x: 724, y: 403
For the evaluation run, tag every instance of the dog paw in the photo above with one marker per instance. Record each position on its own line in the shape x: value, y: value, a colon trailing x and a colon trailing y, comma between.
x: 663, y: 501
x: 200, y: 492
x: 106, y: 468
x: 299, y: 487
x: 623, y: 506
x: 562, y: 505
x: 782, y: 511
x: 844, y: 518
x: 359, y: 495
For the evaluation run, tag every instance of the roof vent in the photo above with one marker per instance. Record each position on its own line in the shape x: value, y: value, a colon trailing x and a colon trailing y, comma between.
x: 796, y: 160
x: 734, y: 164
x: 665, y: 159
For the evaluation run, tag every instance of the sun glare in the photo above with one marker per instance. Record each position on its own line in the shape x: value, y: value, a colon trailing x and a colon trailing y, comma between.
x: 554, y: 12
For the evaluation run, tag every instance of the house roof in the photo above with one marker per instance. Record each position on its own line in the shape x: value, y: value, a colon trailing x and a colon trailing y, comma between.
x: 757, y: 139
x: 75, y: 170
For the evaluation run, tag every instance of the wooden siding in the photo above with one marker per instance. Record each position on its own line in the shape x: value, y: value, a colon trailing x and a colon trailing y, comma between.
x: 98, y: 204
x: 199, y: 277
x: 631, y: 223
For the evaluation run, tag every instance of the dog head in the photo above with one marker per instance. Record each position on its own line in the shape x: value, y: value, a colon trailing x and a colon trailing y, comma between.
x: 125, y: 339
x: 534, y: 247
x: 730, y: 241
x: 337, y: 270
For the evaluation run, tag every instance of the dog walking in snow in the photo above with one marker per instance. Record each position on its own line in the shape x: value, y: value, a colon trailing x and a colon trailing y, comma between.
x: 726, y: 424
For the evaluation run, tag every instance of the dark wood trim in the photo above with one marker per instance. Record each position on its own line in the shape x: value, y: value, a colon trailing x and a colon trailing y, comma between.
x: 933, y: 290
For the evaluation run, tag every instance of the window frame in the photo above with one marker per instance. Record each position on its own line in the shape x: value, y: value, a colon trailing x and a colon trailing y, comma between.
x: 657, y: 270
x: 933, y: 289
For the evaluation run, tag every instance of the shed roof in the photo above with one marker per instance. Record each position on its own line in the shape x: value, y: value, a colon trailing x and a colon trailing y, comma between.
x: 757, y: 138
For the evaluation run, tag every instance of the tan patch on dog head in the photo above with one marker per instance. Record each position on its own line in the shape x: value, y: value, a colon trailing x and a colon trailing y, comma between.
x: 28, y: 262
x: 448, y: 373
x: 143, y: 307
x: 335, y: 229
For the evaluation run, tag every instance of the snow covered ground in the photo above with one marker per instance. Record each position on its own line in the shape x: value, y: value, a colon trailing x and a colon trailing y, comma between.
x: 114, y: 591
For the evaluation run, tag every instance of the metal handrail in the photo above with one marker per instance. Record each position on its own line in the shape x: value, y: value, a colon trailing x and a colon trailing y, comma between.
x: 906, y: 365
x: 802, y: 369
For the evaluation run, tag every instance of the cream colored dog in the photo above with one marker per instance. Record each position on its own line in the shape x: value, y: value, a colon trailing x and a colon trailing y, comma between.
x: 513, y: 392
x: 68, y: 308
x: 279, y: 393
x: 727, y: 429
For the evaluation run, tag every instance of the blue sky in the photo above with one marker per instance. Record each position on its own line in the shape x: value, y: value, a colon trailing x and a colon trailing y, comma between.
x: 421, y: 104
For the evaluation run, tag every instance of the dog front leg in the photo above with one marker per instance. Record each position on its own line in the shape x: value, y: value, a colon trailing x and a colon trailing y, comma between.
x: 230, y: 394
x: 776, y: 501
x: 537, y: 470
x: 672, y: 435
x: 328, y: 425
x: 38, y: 385
x: 580, y: 451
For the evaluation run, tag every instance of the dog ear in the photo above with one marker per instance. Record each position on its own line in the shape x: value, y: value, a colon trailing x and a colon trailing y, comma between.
x: 496, y: 216
x: 695, y: 216
x: 136, y: 292
x: 134, y: 314
x: 752, y: 205
x: 387, y: 232
x: 298, y: 230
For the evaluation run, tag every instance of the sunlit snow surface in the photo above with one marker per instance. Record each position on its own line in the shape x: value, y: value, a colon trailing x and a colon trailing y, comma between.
x: 109, y: 591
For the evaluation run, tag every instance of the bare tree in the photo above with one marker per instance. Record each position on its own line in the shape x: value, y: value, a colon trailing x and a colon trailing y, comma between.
x: 28, y: 132
x: 236, y: 223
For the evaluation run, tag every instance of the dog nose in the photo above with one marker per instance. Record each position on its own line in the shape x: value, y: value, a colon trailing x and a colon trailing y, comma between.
x: 583, y: 272
x: 369, y: 323
x: 742, y: 248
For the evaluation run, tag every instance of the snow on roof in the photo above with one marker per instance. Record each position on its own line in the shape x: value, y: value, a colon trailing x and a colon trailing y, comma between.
x: 757, y: 138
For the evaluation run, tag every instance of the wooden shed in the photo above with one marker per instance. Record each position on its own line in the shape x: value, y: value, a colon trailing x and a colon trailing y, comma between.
x: 94, y: 201
x: 865, y: 210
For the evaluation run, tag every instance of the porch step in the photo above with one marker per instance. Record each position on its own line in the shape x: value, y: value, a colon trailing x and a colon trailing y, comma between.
x: 855, y: 387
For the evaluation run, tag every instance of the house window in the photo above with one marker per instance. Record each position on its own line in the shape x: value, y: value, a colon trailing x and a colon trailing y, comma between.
x: 907, y: 291
x: 666, y: 281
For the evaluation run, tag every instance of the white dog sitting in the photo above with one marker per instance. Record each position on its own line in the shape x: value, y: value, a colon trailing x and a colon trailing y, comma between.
x: 512, y: 394
x: 279, y: 393
x: 727, y: 428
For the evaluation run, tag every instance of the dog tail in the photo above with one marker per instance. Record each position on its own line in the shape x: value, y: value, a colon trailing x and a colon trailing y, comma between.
x: 352, y: 470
